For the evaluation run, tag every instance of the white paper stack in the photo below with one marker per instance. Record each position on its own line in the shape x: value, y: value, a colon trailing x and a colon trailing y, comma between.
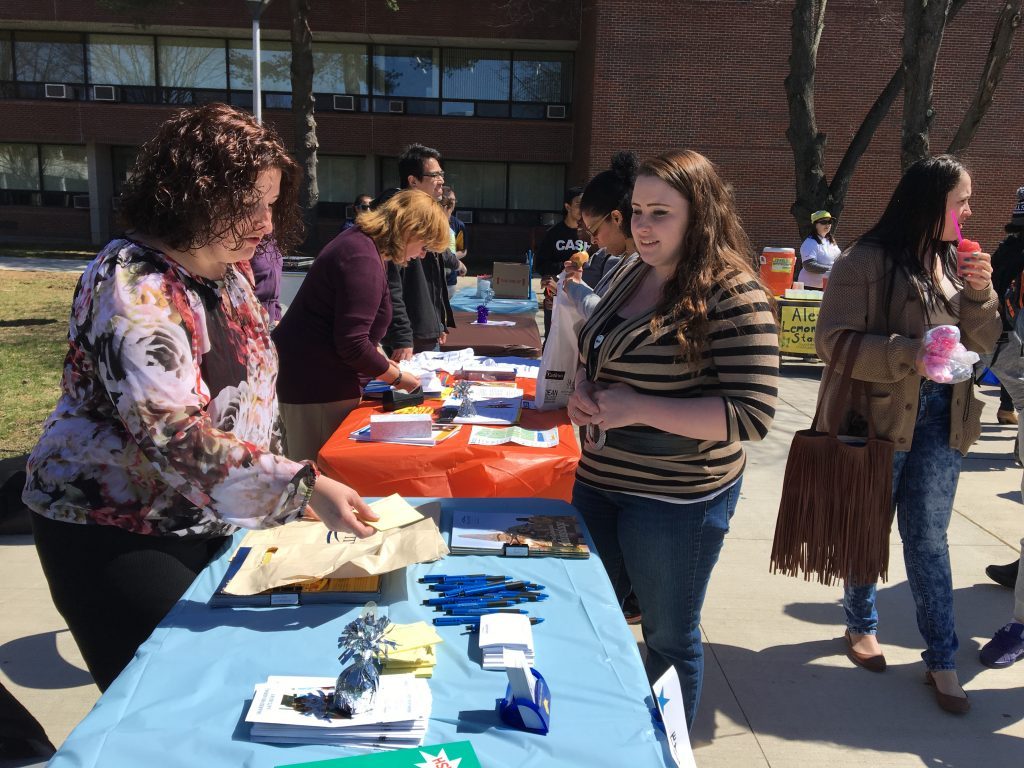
x: 398, y: 718
x: 506, y: 639
x: 404, y: 426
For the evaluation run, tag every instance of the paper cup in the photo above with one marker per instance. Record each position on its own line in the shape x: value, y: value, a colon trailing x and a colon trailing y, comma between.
x: 482, y: 287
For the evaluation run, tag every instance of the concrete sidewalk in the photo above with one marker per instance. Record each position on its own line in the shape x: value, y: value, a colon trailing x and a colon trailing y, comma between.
x: 778, y: 690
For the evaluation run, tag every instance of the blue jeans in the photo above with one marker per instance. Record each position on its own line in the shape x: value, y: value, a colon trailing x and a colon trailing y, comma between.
x: 923, y: 486
x: 666, y: 551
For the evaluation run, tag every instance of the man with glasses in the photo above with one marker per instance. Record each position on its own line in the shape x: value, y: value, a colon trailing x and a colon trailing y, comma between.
x: 361, y: 204
x: 420, y: 312
x: 559, y: 243
x: 458, y: 242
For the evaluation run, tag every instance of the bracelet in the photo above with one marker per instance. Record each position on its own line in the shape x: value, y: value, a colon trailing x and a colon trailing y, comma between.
x: 398, y: 378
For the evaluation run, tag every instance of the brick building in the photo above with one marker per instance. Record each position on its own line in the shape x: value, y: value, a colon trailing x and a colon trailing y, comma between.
x: 522, y: 97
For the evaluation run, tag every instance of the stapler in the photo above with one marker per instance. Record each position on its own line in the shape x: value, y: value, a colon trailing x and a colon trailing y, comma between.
x: 395, y: 398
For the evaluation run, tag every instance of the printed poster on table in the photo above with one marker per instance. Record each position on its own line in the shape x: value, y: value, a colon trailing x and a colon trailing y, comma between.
x: 455, y: 754
x: 668, y: 697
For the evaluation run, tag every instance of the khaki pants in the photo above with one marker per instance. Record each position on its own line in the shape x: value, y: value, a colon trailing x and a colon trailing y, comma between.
x: 307, y: 427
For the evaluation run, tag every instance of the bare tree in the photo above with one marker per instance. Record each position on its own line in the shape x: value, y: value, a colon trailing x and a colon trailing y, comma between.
x: 924, y: 24
x: 303, y: 114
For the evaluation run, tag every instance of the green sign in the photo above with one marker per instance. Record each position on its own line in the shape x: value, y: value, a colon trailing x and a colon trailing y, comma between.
x: 456, y: 754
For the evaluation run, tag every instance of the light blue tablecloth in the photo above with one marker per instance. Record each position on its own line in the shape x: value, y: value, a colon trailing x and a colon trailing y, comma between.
x: 182, y: 700
x: 466, y: 300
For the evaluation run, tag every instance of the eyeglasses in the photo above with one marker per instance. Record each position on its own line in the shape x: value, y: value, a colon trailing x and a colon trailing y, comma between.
x: 448, y: 203
x: 597, y: 227
x: 433, y: 175
x: 824, y: 222
x: 363, y: 207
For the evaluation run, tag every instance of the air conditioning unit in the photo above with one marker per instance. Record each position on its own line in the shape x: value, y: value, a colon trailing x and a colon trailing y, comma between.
x: 55, y: 91
x: 104, y: 93
x: 556, y: 111
x: 466, y: 217
x: 80, y: 201
x: 396, y: 106
x: 344, y: 103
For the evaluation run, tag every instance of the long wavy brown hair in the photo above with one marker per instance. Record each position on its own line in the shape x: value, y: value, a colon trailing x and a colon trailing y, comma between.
x: 406, y: 216
x: 194, y: 183
x: 714, y: 246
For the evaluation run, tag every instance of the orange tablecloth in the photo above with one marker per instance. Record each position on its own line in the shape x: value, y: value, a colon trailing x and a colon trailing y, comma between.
x: 453, y: 468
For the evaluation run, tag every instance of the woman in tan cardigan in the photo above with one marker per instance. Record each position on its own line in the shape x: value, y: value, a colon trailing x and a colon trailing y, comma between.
x: 898, y: 281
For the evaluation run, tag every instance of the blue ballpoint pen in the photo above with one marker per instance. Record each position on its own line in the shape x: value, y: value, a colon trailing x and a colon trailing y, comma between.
x: 517, y: 586
x: 472, y: 621
x: 438, y: 578
x: 465, y: 610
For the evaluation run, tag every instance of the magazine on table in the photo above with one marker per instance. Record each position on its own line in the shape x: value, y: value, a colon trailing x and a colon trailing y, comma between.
x: 351, y: 590
x: 517, y: 534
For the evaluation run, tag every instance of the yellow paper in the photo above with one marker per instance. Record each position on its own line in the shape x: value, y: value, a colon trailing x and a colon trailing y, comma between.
x: 408, y: 636
x: 394, y: 512
x: 417, y: 657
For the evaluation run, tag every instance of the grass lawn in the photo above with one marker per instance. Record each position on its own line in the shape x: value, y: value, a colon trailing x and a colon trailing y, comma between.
x: 49, y: 252
x: 34, y: 309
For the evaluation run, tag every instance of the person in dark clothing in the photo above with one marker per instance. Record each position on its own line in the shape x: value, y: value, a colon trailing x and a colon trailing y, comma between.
x: 1008, y: 359
x: 458, y: 239
x: 559, y: 243
x: 362, y: 204
x: 420, y: 312
x: 340, y: 315
x: 267, y: 266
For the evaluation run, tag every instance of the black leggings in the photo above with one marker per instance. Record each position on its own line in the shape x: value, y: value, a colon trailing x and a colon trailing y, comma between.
x: 113, y: 587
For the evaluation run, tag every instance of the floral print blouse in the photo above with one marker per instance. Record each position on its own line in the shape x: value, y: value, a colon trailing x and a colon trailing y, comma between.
x: 167, y: 423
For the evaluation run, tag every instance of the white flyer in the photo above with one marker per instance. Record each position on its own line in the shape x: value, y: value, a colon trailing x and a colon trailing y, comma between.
x: 530, y: 438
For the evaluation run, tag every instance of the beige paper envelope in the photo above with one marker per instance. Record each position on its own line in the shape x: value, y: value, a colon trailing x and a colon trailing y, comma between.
x: 300, y: 551
x: 394, y: 512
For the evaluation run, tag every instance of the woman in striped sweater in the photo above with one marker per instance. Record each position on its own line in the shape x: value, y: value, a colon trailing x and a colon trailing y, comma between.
x: 679, y: 365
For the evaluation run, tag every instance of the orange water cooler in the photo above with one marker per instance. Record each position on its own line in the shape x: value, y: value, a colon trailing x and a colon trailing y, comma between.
x: 778, y: 266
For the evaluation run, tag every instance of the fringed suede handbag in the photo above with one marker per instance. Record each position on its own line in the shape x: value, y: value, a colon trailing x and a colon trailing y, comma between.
x: 836, y: 509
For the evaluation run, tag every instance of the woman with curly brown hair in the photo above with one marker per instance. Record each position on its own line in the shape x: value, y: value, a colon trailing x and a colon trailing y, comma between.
x: 679, y: 366
x: 166, y: 436
x: 341, y: 313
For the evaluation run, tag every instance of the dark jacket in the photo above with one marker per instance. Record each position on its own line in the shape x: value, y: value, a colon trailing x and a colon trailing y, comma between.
x: 267, y: 264
x: 327, y: 340
x: 419, y: 301
x: 1007, y: 264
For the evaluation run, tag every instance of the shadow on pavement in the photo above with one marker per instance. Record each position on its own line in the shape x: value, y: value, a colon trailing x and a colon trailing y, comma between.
x: 33, y: 661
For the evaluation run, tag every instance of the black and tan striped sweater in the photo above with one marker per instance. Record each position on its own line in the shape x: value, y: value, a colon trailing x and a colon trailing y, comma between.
x: 740, y: 365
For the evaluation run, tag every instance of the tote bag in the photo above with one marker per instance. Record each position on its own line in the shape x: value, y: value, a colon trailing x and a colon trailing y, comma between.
x: 836, y: 509
x: 557, y: 374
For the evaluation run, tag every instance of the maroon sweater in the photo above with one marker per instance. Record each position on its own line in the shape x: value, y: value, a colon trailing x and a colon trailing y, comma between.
x: 327, y: 340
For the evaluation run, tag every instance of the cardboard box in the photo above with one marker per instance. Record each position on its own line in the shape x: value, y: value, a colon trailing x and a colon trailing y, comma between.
x: 510, y: 281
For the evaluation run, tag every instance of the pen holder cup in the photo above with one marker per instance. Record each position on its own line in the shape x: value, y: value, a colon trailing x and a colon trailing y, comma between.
x: 528, y: 715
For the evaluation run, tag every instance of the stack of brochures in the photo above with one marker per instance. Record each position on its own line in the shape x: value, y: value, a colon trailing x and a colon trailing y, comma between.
x: 413, y: 652
x: 506, y: 640
x: 518, y: 534
x: 398, y: 718
x: 438, y: 434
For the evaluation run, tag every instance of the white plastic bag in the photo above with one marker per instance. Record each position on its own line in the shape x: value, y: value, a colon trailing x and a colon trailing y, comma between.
x: 557, y: 374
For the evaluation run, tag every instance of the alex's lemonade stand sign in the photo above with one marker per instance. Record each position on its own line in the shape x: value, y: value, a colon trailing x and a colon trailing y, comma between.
x: 797, y: 322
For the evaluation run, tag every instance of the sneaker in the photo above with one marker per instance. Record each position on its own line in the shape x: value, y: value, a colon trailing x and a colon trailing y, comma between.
x: 631, y: 609
x: 1006, y: 417
x: 1004, y: 575
x: 1005, y: 647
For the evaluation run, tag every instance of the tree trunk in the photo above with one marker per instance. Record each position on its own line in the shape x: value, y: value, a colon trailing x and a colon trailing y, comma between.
x: 923, y: 24
x: 998, y: 55
x: 306, y: 144
x: 807, y: 143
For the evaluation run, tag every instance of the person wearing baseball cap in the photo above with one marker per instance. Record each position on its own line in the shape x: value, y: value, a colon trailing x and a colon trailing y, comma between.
x: 818, y: 252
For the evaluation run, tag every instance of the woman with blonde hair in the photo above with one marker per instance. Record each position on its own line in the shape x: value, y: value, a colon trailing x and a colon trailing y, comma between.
x: 679, y: 367
x: 328, y: 339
